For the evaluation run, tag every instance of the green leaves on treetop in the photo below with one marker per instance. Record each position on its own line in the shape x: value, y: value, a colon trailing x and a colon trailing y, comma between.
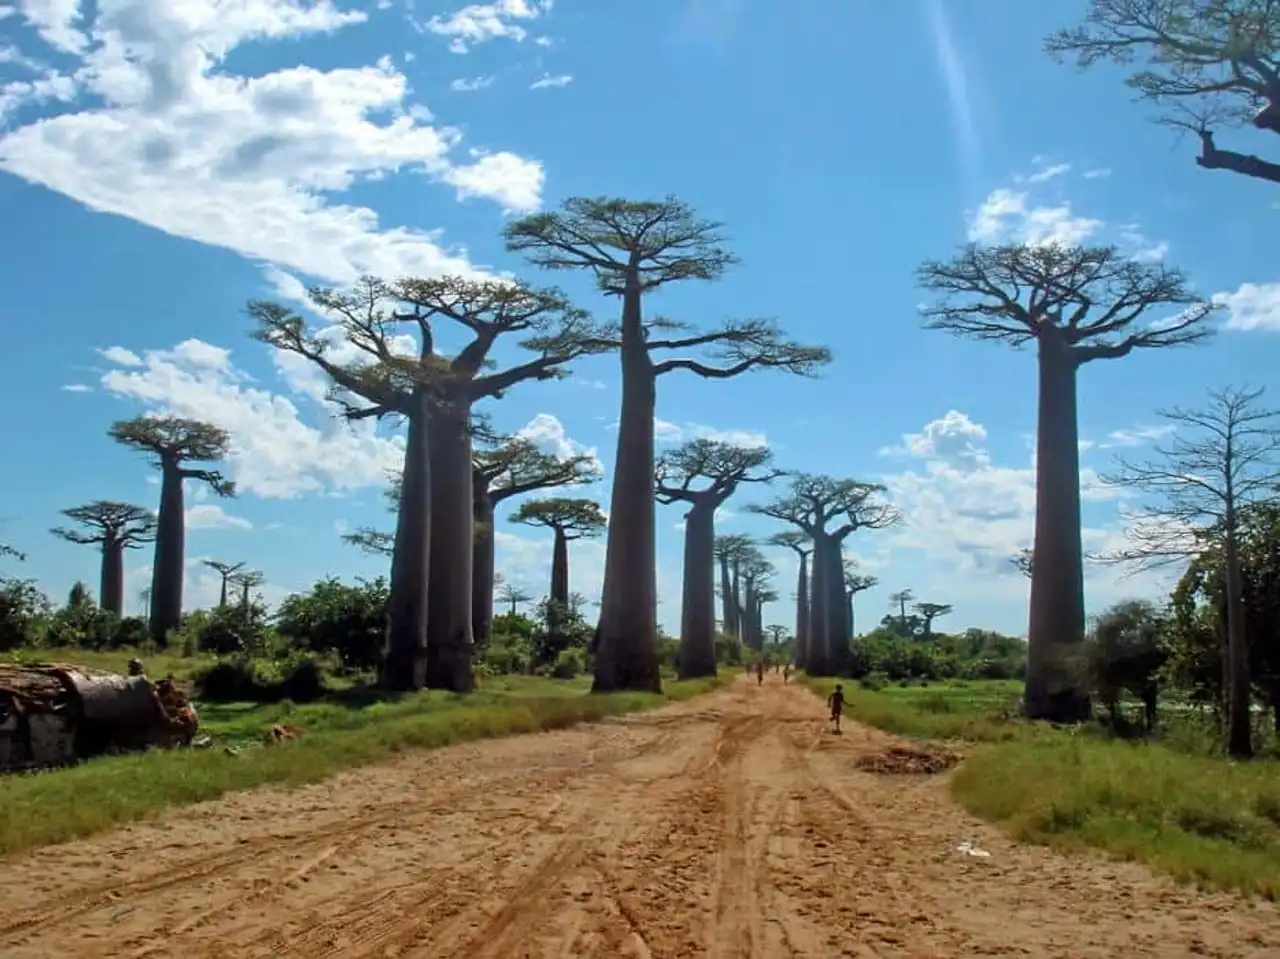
x: 110, y: 522
x: 173, y: 440
x: 722, y: 465
x: 1091, y: 297
x: 576, y: 518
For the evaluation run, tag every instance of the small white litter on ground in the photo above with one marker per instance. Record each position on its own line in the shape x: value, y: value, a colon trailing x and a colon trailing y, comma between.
x: 969, y: 849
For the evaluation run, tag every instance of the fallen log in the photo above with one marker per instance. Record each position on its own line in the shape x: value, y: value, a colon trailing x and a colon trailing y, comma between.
x: 53, y: 714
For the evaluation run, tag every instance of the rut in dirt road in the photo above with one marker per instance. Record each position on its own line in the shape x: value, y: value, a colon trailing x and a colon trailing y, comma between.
x: 733, y: 826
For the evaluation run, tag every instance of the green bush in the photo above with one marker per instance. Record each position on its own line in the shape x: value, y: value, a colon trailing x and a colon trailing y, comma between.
x: 348, y: 621
x: 236, y: 679
x: 570, y: 664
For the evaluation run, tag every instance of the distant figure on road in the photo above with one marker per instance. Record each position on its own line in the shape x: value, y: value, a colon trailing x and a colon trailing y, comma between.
x: 760, y: 673
x: 836, y: 702
x: 786, y: 674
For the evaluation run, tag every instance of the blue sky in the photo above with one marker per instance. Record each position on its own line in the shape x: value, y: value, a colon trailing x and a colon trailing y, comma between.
x: 163, y: 163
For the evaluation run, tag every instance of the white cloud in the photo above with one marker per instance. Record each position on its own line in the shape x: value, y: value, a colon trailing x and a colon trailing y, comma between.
x: 464, y: 85
x: 274, y: 453
x: 1009, y: 216
x: 1140, y: 247
x: 547, y: 81
x: 120, y: 356
x: 665, y: 431
x: 77, y: 388
x: 1046, y: 173
x: 1137, y: 436
x: 55, y: 22
x: 481, y: 22
x: 213, y: 516
x: 547, y: 432
x: 1098, y: 173
x: 254, y: 164
x: 966, y: 514
x: 1253, y: 306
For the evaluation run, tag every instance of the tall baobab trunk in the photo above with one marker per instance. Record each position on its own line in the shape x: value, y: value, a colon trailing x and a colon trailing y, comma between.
x: 1239, y: 729
x: 837, y: 625
x: 802, y: 609
x: 849, y: 613
x: 560, y: 567
x: 627, y: 649
x: 818, y: 663
x: 735, y: 597
x: 405, y: 659
x: 222, y: 592
x: 483, y: 567
x: 111, y: 588
x: 167, y: 568
x: 1055, y: 687
x: 750, y: 635
x: 698, y: 603
x: 726, y: 597
x: 450, y: 639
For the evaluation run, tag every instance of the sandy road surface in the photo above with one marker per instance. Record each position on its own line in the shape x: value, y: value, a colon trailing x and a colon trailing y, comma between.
x: 728, y: 826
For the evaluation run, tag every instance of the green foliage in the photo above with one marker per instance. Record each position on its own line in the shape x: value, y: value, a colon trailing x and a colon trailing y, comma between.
x: 883, y: 655
x: 1126, y: 650
x: 346, y: 621
x: 226, y: 630
x: 23, y: 609
x: 298, y: 678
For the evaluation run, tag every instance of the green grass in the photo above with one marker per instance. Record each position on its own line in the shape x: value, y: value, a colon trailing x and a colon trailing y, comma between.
x: 158, y: 664
x: 39, y: 809
x: 1197, y: 817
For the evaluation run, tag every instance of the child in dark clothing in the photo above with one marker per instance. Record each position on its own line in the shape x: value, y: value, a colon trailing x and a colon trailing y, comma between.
x: 836, y: 702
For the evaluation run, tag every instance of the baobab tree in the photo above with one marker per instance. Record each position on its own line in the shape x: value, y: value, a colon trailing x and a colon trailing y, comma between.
x: 813, y: 503
x: 899, y: 602
x: 633, y: 249
x: 1077, y: 304
x: 568, y: 519
x: 225, y: 571
x: 513, y: 596
x: 802, y: 546
x: 855, y: 583
x: 704, y: 474
x: 928, y: 612
x: 115, y: 527
x: 172, y: 443
x: 1223, y: 462
x: 756, y: 571
x: 433, y: 549
x: 247, y: 580
x: 513, y: 466
x: 730, y: 551
x: 777, y: 634
x: 1208, y: 64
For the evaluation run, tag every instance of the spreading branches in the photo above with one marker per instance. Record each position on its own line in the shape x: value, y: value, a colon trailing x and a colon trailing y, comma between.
x: 1205, y: 65
x: 658, y: 242
x: 1090, y: 299
x: 111, y: 524
x: 736, y: 347
x: 1022, y: 562
x: 855, y: 582
x: 724, y: 466
x: 792, y: 539
x: 369, y: 540
x: 516, y: 466
x: 513, y: 596
x: 931, y: 611
x: 573, y: 518
x: 1222, y: 461
x: 388, y: 327
x: 815, y: 500
x: 9, y: 552
x: 172, y: 441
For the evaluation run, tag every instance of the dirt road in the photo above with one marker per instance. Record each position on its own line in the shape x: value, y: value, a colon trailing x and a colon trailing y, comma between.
x: 729, y: 826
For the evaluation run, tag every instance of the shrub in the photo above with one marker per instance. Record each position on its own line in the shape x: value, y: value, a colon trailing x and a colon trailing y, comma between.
x: 348, y: 621
x: 570, y: 664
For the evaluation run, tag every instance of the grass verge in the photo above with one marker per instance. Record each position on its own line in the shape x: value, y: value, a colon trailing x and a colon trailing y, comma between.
x: 1201, y: 819
x: 40, y: 809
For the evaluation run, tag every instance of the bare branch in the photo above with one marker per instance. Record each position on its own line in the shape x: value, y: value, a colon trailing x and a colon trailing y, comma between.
x: 111, y: 524
x: 725, y: 466
x: 1093, y: 300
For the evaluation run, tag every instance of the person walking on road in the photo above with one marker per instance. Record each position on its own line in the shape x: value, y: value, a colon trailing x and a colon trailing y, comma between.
x: 760, y: 673
x: 786, y: 674
x: 836, y: 702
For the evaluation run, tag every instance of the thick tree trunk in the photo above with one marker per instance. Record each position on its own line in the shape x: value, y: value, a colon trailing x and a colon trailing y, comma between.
x: 405, y: 656
x: 167, y: 570
x: 222, y: 592
x: 750, y: 636
x: 1056, y: 689
x: 802, y: 609
x: 560, y: 568
x: 818, y: 663
x: 627, y: 635
x: 483, y: 568
x: 698, y: 601
x: 111, y: 589
x: 839, y: 654
x: 726, y: 597
x: 450, y: 636
x: 1239, y: 728
x: 735, y: 599
x: 849, y: 614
